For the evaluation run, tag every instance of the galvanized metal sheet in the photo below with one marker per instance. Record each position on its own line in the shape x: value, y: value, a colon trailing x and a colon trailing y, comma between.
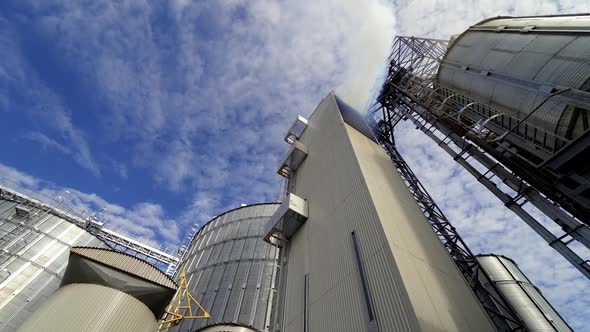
x: 231, y: 271
x: 472, y: 48
x: 526, y: 300
x: 496, y: 58
x: 33, y: 258
x: 75, y: 307
x: 548, y: 44
x: 541, y: 58
x: 515, y: 44
x: 570, y: 67
x: 126, y: 263
x: 525, y: 65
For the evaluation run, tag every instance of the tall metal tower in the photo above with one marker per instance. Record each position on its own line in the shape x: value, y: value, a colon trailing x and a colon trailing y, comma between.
x: 358, y: 250
x: 508, y: 99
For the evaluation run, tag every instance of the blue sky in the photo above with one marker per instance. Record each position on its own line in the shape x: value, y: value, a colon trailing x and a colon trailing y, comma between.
x: 169, y: 112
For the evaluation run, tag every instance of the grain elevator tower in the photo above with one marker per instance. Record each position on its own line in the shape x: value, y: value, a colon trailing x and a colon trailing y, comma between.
x: 358, y: 253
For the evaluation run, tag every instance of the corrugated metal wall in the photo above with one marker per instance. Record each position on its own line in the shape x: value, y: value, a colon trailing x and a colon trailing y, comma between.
x: 88, y: 307
x: 528, y: 302
x: 351, y: 186
x: 127, y: 263
x: 560, y: 58
x: 33, y: 256
x: 231, y: 270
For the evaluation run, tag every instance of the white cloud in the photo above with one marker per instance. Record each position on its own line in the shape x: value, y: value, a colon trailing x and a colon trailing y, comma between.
x: 145, y: 221
x: 14, y: 178
x: 61, y: 122
x: 43, y: 105
x: 47, y: 142
x: 208, y: 88
x: 120, y: 168
x: 443, y: 18
x: 487, y: 226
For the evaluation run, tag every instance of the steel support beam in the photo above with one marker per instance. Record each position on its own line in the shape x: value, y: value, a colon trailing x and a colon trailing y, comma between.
x: 493, y: 302
x: 461, y: 127
x: 430, y: 125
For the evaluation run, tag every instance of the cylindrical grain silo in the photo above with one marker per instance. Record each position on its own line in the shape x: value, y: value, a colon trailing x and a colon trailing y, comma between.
x: 525, y: 299
x: 519, y: 87
x: 34, y: 243
x: 514, y: 63
x: 231, y: 271
x: 102, y: 291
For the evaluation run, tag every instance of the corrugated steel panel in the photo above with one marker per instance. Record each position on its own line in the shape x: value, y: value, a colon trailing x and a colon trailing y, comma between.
x: 472, y: 48
x: 33, y: 257
x: 127, y: 263
x: 524, y: 65
x: 484, y: 85
x: 460, y: 83
x: 527, y: 301
x: 548, y: 44
x: 437, y: 291
x: 554, y: 59
x: 232, y: 268
x: 496, y: 58
x: 515, y: 44
x: 547, y: 116
x: 570, y: 67
x: 91, y: 308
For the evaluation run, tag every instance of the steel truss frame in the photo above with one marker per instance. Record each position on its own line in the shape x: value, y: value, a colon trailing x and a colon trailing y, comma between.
x: 403, y: 100
x: 117, y: 241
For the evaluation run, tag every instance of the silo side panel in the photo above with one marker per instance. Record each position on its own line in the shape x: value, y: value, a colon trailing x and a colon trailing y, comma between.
x: 526, y: 61
x: 526, y: 300
x: 34, y: 253
x: 91, y: 308
x: 230, y: 269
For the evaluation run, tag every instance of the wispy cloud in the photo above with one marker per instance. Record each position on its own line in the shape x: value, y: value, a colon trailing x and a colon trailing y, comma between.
x: 40, y: 102
x: 18, y: 178
x: 120, y: 168
x: 62, y: 122
x: 199, y: 96
x: 80, y: 150
x: 443, y: 18
x: 47, y: 142
x: 488, y: 226
x: 144, y: 220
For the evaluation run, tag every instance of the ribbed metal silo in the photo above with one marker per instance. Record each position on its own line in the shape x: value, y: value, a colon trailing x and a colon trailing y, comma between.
x: 73, y: 308
x: 530, y: 305
x: 231, y: 271
x: 509, y: 100
x: 512, y: 63
x: 34, y: 243
x: 523, y: 86
x: 103, y: 291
